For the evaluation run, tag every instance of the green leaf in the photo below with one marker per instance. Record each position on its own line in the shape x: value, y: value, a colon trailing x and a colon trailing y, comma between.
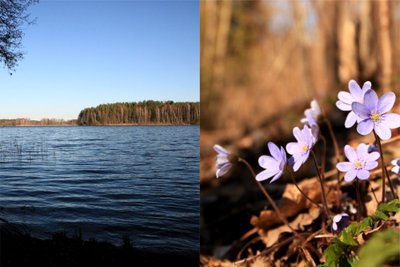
x: 383, y: 247
x: 350, y: 232
x: 391, y: 206
x: 379, y: 215
x: 333, y: 253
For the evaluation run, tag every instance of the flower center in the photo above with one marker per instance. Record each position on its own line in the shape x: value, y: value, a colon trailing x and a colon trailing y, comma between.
x: 304, y: 148
x: 358, y: 164
x: 375, y: 116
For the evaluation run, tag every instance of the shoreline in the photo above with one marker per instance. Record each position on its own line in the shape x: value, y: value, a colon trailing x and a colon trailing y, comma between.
x: 19, y: 248
x: 127, y: 124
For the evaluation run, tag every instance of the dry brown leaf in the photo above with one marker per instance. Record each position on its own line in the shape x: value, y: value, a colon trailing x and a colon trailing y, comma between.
x: 260, y: 262
x: 207, y: 261
x: 271, y: 237
x: 294, y: 202
x: 372, y: 205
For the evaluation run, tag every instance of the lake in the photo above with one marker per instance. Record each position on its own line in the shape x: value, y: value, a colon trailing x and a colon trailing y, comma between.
x: 105, y: 183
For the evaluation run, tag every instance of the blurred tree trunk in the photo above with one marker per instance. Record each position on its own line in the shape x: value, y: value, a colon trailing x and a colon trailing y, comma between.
x: 384, y: 44
x: 325, y: 47
x: 223, y: 26
x: 346, y: 39
x: 366, y: 42
x: 216, y: 18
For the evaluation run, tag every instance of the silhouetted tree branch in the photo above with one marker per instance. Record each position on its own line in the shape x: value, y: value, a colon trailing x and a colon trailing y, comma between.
x: 13, y: 14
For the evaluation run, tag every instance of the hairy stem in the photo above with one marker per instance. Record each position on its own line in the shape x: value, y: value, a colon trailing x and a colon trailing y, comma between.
x: 384, y: 170
x: 359, y: 204
x: 337, y: 156
x: 271, y: 201
x: 301, y: 191
x: 322, y: 185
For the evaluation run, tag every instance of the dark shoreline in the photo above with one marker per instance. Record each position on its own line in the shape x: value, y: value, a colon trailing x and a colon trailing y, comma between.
x: 18, y: 248
x: 76, y: 125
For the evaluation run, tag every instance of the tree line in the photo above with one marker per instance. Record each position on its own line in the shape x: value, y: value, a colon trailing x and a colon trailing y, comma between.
x: 144, y: 112
x: 42, y: 122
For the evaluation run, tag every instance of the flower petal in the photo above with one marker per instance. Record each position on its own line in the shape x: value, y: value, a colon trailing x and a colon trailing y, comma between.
x: 266, y: 174
x: 223, y: 170
x: 382, y: 131
x: 350, y: 153
x: 396, y: 169
x: 219, y: 149
x: 361, y: 110
x: 350, y: 119
x: 391, y: 120
x: 366, y: 86
x: 386, y: 102
x: 283, y: 155
x: 363, y: 174
x: 315, y: 108
x: 371, y: 165
x: 371, y: 100
x: 365, y: 127
x: 292, y: 148
x: 308, y: 137
x: 297, y: 165
x: 394, y: 162
x: 297, y: 133
x: 345, y: 97
x: 362, y: 150
x: 274, y: 150
x: 343, y: 106
x: 267, y: 162
x: 276, y: 177
x: 221, y: 159
x: 350, y: 175
x: 355, y: 89
x: 372, y: 156
x: 344, y: 166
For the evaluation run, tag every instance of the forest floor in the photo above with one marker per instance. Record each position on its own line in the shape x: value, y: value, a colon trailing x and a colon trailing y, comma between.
x: 238, y: 225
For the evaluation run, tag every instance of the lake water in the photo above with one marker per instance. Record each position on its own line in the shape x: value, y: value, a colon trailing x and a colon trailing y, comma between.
x: 105, y: 182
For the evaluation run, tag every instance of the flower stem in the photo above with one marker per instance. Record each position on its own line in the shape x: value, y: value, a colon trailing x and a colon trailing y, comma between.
x: 301, y: 191
x: 333, y: 137
x: 271, y: 201
x: 359, y: 204
x: 323, y: 171
x: 322, y: 185
x: 337, y: 156
x: 384, y: 170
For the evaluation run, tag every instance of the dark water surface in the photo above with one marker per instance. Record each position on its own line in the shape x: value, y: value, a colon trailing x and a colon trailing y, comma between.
x: 105, y: 182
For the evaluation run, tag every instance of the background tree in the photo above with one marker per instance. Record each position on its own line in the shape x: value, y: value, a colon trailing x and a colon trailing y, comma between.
x: 13, y: 14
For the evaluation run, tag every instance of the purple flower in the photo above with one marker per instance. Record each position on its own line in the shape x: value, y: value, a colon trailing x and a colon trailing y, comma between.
x: 396, y: 166
x: 359, y: 164
x: 222, y: 160
x: 300, y: 150
x: 375, y: 116
x: 346, y: 100
x: 311, y: 114
x: 274, y: 166
x: 373, y: 148
x: 311, y: 118
x: 340, y: 221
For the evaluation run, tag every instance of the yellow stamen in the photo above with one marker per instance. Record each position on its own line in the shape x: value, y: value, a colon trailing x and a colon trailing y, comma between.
x: 358, y: 164
x: 375, y: 116
x: 304, y: 148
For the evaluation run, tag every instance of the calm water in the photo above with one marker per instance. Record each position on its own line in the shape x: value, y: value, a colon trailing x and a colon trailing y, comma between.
x: 106, y: 182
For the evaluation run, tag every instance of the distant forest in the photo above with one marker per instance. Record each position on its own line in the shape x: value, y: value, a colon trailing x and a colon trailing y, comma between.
x: 42, y: 122
x: 145, y: 112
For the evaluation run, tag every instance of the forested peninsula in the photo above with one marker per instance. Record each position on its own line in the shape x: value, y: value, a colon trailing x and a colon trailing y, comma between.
x: 141, y: 113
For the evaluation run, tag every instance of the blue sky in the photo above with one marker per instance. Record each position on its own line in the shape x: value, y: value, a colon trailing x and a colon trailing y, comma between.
x: 84, y: 53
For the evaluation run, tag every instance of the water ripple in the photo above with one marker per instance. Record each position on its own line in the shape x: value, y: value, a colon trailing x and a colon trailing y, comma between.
x: 104, y: 182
